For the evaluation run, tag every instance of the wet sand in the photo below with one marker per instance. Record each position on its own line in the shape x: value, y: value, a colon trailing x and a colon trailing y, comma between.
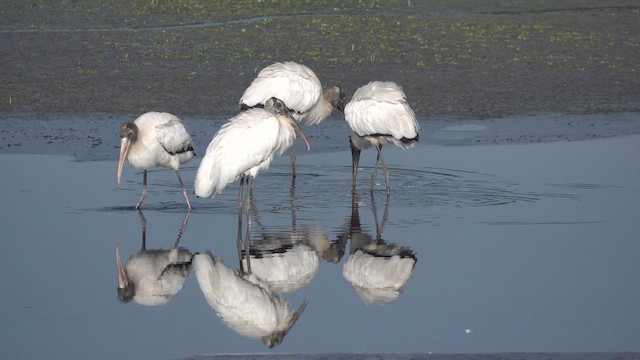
x: 95, y: 136
x: 518, y: 72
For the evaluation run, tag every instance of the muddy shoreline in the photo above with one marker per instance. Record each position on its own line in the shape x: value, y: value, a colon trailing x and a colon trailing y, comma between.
x: 89, y: 137
x: 530, y: 72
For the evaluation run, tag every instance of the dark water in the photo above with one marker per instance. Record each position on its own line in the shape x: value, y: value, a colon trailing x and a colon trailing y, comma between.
x: 529, y: 248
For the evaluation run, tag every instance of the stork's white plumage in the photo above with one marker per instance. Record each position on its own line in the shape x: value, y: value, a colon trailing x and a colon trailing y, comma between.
x: 378, y: 114
x: 243, y: 302
x: 155, y: 139
x: 300, y: 90
x: 244, y: 146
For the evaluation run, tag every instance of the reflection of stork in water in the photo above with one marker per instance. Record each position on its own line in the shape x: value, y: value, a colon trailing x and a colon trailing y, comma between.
x: 243, y: 301
x: 153, y: 277
x: 377, y: 270
x: 286, y: 258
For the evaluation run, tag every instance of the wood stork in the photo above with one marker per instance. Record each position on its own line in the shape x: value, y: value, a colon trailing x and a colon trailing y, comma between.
x: 153, y: 277
x: 376, y: 269
x: 244, y: 146
x: 300, y: 90
x: 244, y: 302
x: 378, y: 114
x: 155, y: 139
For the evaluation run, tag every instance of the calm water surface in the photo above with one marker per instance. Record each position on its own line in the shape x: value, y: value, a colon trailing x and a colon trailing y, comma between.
x: 518, y: 248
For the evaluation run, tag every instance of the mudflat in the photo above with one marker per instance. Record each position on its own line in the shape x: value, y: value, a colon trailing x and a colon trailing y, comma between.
x: 195, y: 57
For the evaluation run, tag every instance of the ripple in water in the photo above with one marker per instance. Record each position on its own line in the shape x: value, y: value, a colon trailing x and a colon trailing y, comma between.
x: 428, y: 187
x: 320, y: 189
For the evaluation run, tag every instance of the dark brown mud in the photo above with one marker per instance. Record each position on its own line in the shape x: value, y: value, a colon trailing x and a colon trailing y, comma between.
x: 462, y: 59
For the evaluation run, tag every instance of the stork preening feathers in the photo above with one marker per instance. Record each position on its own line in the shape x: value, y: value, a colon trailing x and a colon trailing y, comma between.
x: 299, y: 89
x: 244, y: 146
x: 378, y: 114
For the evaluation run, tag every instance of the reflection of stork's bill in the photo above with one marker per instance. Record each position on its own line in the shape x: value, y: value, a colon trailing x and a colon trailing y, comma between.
x: 158, y: 275
x: 378, y: 278
x: 285, y: 269
x: 244, y: 302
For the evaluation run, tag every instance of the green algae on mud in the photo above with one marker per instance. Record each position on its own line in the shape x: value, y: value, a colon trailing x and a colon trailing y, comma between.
x: 144, y: 13
x: 452, y: 58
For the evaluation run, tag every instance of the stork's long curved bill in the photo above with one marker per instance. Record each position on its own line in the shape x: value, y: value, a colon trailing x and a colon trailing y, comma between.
x: 125, y: 146
x: 123, y: 280
x: 340, y: 107
x: 299, y: 132
x: 297, y: 314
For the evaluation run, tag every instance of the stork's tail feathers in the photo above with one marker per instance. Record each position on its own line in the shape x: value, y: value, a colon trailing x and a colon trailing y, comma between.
x: 409, y: 141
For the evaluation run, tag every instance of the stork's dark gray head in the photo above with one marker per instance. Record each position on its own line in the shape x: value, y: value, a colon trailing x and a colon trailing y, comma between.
x: 127, y: 293
x: 126, y: 288
x: 274, y: 339
x: 276, y: 106
x: 129, y: 131
x: 335, y: 96
x: 277, y: 337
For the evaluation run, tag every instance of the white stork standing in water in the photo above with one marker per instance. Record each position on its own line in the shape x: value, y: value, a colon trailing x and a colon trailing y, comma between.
x: 300, y: 90
x: 155, y: 139
x: 378, y: 114
x: 244, y: 146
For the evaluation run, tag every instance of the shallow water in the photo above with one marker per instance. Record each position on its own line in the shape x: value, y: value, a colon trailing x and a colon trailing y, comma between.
x: 519, y: 248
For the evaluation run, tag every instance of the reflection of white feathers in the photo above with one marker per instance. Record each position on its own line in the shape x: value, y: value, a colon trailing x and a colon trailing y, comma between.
x: 377, y: 270
x: 244, y: 302
x: 378, y: 276
x: 157, y: 276
x: 288, y: 260
x: 153, y: 277
x: 285, y: 268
